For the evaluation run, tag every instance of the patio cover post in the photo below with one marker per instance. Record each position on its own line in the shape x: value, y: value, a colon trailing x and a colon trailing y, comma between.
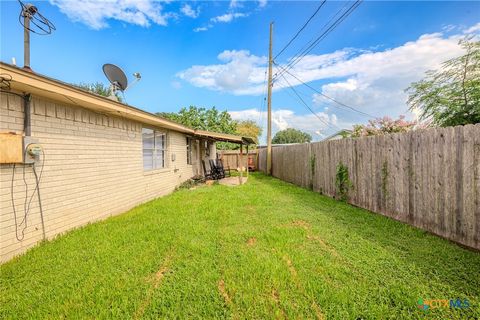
x: 248, y: 160
x: 241, y: 163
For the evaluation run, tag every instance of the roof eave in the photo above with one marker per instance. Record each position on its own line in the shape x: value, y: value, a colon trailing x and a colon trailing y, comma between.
x: 40, y: 85
x: 225, y: 137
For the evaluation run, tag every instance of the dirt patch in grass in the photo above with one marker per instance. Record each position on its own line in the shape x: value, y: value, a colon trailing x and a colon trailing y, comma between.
x: 310, y: 236
x: 156, y: 280
x: 318, y: 311
x: 223, y: 292
x: 276, y: 299
x: 324, y: 245
x: 250, y: 209
x: 159, y: 276
x: 275, y: 296
x: 251, y: 241
x: 290, y: 266
x: 301, y: 224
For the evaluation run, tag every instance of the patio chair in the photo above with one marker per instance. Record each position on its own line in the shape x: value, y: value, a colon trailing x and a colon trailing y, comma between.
x: 216, y: 171
x: 209, y: 174
x: 222, y: 168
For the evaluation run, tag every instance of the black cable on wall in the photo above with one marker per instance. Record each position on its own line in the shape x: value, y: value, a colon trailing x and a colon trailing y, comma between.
x: 20, y: 234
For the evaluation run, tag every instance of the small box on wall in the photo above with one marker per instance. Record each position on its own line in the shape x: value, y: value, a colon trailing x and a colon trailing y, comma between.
x: 11, y: 148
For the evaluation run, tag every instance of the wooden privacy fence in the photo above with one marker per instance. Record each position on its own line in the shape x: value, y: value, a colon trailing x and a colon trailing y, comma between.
x: 231, y: 158
x: 427, y: 178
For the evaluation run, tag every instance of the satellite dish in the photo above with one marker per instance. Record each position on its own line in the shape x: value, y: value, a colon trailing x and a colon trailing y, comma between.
x: 116, y: 76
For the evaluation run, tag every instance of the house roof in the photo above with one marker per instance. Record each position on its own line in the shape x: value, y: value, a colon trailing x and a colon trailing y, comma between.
x: 281, y: 145
x: 40, y: 85
x: 338, y: 134
x: 225, y: 137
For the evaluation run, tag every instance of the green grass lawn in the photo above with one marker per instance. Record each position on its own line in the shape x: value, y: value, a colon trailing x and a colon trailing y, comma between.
x: 263, y: 250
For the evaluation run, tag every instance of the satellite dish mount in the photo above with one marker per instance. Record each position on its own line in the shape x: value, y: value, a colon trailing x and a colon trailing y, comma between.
x: 118, y: 79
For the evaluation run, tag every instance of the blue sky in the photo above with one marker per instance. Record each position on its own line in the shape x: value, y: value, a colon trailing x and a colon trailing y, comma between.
x: 214, y: 53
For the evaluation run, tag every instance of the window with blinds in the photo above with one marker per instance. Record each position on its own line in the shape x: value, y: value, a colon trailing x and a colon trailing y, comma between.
x: 154, y: 149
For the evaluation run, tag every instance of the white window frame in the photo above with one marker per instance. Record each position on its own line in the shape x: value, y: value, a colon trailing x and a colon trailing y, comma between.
x: 158, y: 149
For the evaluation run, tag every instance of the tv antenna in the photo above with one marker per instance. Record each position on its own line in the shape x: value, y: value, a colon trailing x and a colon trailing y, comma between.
x: 32, y: 21
x: 118, y: 79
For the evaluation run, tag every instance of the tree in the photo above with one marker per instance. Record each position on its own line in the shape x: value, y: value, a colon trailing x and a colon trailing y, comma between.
x: 383, y: 126
x: 205, y: 119
x: 250, y: 129
x: 291, y: 135
x: 98, y: 88
x: 450, y: 96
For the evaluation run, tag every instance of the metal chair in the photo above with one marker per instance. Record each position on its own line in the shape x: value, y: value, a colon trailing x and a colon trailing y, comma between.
x: 209, y: 174
x: 216, y: 171
x: 222, y: 168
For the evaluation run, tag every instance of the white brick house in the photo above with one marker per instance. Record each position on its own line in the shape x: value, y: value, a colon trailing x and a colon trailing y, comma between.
x: 100, y: 158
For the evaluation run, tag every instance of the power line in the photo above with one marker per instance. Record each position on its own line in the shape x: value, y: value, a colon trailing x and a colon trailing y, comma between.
x: 321, y: 30
x: 324, y: 95
x: 299, y: 56
x: 332, y: 27
x: 301, y: 29
x: 308, y: 107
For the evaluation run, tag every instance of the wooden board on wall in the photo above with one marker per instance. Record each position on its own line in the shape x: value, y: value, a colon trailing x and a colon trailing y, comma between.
x: 11, y: 148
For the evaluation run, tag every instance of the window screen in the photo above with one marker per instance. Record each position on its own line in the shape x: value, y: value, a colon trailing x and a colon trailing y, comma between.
x: 154, y: 149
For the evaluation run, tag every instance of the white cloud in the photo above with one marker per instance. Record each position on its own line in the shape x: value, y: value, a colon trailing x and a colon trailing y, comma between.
x: 95, y: 13
x: 248, y: 70
x: 231, y: 14
x: 472, y: 29
x: 286, y: 118
x: 449, y: 27
x: 188, y: 11
x: 228, y: 17
x: 239, y: 3
x: 234, y: 4
x: 239, y: 71
x: 334, y: 119
x: 224, y: 18
x: 373, y: 81
x: 201, y: 29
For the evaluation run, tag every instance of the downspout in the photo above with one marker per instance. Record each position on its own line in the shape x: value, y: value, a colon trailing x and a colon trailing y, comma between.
x: 27, y: 118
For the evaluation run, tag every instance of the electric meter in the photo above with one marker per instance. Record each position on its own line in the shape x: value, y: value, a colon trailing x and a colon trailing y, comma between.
x: 34, y: 149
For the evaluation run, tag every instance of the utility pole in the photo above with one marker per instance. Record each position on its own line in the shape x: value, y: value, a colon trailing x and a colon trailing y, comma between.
x: 269, y: 104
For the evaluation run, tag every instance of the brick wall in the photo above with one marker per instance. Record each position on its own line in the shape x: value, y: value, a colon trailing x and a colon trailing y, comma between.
x: 93, y: 168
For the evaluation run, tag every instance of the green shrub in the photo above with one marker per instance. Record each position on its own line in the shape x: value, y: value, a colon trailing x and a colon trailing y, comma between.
x: 342, y: 182
x: 190, y: 183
